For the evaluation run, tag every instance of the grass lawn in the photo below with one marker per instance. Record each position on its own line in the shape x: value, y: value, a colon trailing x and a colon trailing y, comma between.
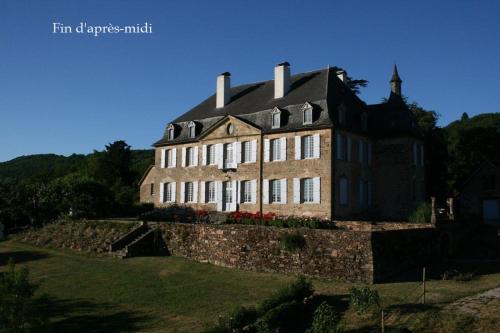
x: 169, y: 294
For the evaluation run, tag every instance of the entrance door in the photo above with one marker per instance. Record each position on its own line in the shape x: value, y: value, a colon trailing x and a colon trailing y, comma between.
x: 491, y: 211
x: 227, y: 196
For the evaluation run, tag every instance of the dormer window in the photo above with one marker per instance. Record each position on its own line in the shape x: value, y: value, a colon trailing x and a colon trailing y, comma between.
x: 171, y: 132
x: 192, y: 129
x: 276, y: 118
x: 307, y: 114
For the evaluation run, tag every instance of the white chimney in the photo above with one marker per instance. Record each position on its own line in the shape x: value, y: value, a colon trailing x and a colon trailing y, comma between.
x: 342, y: 75
x: 223, y: 86
x: 281, y: 79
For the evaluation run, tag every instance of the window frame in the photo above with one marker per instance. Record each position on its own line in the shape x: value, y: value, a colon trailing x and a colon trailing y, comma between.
x: 246, y: 152
x: 192, y: 130
x: 276, y: 118
x: 307, y: 149
x: 307, y: 114
x: 167, y: 192
x: 275, y: 186
x: 210, y: 154
x: 307, y: 190
x: 246, y: 191
x: 228, y: 154
x: 189, y: 192
x: 275, y: 150
x: 341, y: 196
x: 152, y: 189
x: 171, y: 132
x: 189, y: 156
x: 211, y: 192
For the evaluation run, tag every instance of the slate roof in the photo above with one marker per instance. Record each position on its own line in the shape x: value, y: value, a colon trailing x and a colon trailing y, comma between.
x: 254, y: 103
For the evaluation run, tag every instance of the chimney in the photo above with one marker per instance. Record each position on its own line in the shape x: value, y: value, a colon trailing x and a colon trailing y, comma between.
x: 281, y: 79
x: 342, y: 75
x: 223, y: 86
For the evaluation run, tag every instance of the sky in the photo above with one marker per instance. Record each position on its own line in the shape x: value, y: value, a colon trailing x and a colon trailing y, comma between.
x: 73, y: 93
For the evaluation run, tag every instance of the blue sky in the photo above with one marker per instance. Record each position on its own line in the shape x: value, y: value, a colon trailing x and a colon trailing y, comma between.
x: 74, y: 93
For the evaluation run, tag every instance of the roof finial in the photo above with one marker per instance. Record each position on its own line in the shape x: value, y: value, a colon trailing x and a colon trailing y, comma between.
x: 395, y: 75
x: 395, y: 82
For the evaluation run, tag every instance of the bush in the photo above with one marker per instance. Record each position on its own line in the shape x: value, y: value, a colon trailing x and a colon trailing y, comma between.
x: 292, y: 242
x: 172, y: 213
x: 18, y: 312
x: 361, y: 298
x: 286, y: 317
x: 325, y: 320
x: 297, y: 291
x: 421, y: 214
x: 270, y: 219
x: 456, y: 275
x: 242, y: 317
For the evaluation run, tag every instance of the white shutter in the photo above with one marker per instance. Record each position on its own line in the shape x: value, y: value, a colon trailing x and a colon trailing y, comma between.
x: 266, y: 150
x: 253, y: 151
x: 253, y: 184
x: 195, y: 192
x: 238, y: 193
x: 298, y: 142
x: 183, y: 196
x: 339, y: 146
x: 174, y: 190
x: 202, y: 192
x: 204, y: 155
x: 234, y: 189
x: 316, y: 146
x: 283, y: 149
x: 369, y: 153
x: 317, y: 189
x: 296, y: 190
x: 183, y: 156
x: 195, y: 158
x: 218, y: 194
x: 237, y: 152
x: 161, y: 192
x: 219, y: 155
x: 163, y: 158
x: 265, y: 191
x: 283, y: 191
x: 174, y: 158
x: 349, y: 146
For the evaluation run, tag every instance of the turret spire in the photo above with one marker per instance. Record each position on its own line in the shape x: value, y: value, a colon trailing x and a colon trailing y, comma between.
x: 396, y: 82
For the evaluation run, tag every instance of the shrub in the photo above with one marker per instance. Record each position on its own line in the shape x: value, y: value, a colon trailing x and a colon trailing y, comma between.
x: 361, y: 298
x: 325, y: 320
x: 292, y: 242
x: 456, y: 275
x: 172, y: 213
x: 242, y: 317
x: 297, y: 291
x: 421, y: 214
x: 286, y: 317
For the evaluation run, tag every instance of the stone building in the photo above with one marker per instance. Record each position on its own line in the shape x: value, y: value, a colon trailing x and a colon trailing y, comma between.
x: 479, y: 195
x: 300, y: 144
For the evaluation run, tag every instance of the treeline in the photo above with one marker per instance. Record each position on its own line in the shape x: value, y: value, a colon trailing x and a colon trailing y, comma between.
x: 37, y: 189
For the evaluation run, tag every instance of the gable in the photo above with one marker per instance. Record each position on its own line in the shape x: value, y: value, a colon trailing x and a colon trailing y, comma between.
x: 221, y: 129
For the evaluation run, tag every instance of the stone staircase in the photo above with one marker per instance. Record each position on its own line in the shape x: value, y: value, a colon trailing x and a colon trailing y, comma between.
x: 141, y: 241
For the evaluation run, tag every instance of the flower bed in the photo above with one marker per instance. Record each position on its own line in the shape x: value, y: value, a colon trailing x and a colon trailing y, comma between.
x: 271, y: 219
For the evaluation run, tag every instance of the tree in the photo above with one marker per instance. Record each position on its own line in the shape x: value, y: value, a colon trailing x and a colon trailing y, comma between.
x: 113, y: 164
x: 354, y: 84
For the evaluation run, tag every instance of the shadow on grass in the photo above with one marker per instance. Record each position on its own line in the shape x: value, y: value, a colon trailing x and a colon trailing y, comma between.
x: 20, y: 256
x: 85, y: 316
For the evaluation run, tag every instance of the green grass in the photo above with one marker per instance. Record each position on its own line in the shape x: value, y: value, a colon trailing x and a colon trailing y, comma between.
x: 168, y: 294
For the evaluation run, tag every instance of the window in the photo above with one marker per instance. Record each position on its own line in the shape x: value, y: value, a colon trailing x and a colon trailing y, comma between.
x: 246, y: 191
x: 169, y: 155
x: 489, y: 182
x: 363, y: 192
x: 307, y: 147
x: 342, y: 116
x: 190, y: 156
x: 171, y: 132
x: 168, y: 190
x: 276, y: 118
x: 341, y: 147
x: 189, y: 192
x: 307, y: 114
x: 246, y: 152
x: 210, y: 191
x: 192, y: 129
x: 152, y: 189
x: 343, y: 189
x: 230, y: 129
x: 210, y: 154
x: 228, y: 155
x: 275, y: 187
x: 307, y: 190
x: 275, y: 150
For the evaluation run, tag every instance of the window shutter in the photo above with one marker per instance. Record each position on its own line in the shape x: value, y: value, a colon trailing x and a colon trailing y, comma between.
x: 174, y: 190
x: 253, y: 184
x: 360, y: 150
x: 283, y: 149
x: 265, y: 191
x: 349, y: 146
x: 316, y: 145
x: 298, y: 149
x: 237, y: 153
x: 204, y: 155
x: 339, y: 146
x: 421, y: 155
x: 361, y: 194
x: 296, y: 190
x: 183, y: 188
x: 283, y: 191
x: 369, y: 190
x: 253, y: 151
x: 195, y: 156
x: 161, y: 192
x: 183, y: 156
x: 218, y: 195
x: 266, y: 150
x: 238, y: 192
x: 202, y: 192
x: 219, y: 155
x: 317, y: 189
x: 174, y: 158
x: 343, y: 191
x: 195, y: 192
x: 162, y: 163
x: 414, y: 153
x: 369, y: 153
x: 234, y: 189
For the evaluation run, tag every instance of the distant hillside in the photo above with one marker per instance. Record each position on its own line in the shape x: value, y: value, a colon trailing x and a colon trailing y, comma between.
x: 50, y: 166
